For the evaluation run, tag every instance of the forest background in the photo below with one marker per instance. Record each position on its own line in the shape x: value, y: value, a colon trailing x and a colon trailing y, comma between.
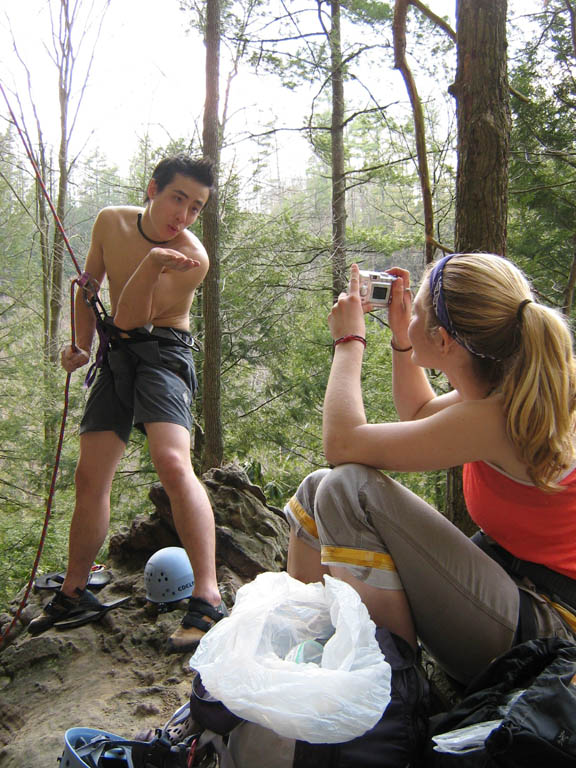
x: 299, y: 198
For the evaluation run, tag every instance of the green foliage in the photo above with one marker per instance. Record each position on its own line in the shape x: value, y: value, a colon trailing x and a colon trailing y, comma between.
x: 371, y: 12
x: 274, y: 298
x: 543, y: 166
x: 20, y: 334
x: 276, y: 295
x: 275, y: 254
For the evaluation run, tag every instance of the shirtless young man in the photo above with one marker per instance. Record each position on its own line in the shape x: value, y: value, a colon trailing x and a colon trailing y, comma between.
x: 153, y: 265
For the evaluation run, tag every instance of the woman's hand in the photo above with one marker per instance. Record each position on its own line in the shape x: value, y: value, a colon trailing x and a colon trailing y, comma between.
x: 346, y: 317
x: 400, y: 307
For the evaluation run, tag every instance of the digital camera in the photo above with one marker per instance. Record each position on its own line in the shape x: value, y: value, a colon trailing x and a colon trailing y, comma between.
x: 375, y: 287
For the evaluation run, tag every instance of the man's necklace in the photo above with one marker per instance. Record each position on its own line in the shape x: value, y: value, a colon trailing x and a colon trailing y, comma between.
x: 145, y: 236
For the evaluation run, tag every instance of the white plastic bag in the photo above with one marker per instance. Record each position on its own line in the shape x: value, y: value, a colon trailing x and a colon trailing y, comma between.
x: 241, y: 660
x: 463, y: 740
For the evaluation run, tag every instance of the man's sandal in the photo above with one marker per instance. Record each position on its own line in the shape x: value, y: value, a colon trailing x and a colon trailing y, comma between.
x: 199, y: 618
x: 65, y: 612
x: 97, y: 579
x: 62, y: 607
x: 86, y: 617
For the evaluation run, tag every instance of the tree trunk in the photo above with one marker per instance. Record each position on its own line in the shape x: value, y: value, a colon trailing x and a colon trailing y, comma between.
x: 339, y: 280
x: 58, y: 247
x: 65, y: 59
x: 400, y: 63
x: 483, y: 111
x: 55, y: 274
x: 48, y: 372
x: 569, y: 292
x: 211, y: 393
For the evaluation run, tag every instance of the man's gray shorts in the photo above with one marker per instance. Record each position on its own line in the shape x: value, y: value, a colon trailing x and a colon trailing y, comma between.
x: 141, y: 383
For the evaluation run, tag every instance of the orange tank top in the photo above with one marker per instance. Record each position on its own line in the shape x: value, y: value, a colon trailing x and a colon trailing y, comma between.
x: 529, y: 523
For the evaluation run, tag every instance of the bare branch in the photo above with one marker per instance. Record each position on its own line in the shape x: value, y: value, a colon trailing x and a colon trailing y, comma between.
x: 438, y: 20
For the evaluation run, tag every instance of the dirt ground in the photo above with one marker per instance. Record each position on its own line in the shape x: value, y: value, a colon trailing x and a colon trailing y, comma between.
x: 113, y: 675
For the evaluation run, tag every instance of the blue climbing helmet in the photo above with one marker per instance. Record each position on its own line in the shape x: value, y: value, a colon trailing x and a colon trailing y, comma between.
x: 91, y: 748
x: 168, y: 576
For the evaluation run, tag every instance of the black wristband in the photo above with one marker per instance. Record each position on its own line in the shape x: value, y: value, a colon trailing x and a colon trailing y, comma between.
x: 399, y: 349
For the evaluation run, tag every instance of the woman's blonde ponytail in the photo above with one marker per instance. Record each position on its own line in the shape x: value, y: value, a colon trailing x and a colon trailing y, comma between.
x: 519, y: 347
x: 539, y: 391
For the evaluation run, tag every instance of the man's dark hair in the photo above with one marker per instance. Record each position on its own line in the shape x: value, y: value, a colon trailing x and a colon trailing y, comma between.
x: 200, y: 169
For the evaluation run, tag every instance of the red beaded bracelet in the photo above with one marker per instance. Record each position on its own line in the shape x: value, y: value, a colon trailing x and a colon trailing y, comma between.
x: 351, y: 337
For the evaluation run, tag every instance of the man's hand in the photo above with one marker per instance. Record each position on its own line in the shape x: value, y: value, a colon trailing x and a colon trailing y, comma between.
x: 72, y: 358
x: 167, y: 258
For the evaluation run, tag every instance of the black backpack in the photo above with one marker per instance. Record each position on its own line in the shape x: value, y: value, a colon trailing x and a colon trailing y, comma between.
x: 531, y: 690
x: 396, y: 741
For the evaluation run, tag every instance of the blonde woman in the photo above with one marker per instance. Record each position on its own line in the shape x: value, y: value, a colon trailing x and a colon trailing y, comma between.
x: 509, y: 420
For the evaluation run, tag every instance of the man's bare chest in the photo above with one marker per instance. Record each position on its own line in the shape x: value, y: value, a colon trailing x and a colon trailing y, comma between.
x: 122, y: 257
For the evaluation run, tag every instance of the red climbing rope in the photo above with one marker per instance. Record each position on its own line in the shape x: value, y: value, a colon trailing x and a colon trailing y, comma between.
x: 40, y: 180
x: 81, y: 281
x: 51, y: 492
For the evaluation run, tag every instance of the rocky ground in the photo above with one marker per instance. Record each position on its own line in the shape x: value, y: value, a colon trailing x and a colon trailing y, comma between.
x: 115, y: 674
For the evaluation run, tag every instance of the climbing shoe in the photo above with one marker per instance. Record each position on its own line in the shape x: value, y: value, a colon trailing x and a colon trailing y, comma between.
x: 199, y: 618
x: 63, y: 607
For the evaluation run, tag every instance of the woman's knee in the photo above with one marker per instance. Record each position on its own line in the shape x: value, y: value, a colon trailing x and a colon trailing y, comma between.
x: 309, y: 486
x: 360, y: 487
x: 299, y: 510
x: 344, y: 485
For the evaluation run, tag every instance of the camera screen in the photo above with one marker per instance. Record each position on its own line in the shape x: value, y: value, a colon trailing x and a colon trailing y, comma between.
x: 380, y: 292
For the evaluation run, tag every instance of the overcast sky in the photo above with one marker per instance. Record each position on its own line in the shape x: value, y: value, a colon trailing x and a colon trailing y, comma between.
x: 147, y: 71
x: 148, y: 75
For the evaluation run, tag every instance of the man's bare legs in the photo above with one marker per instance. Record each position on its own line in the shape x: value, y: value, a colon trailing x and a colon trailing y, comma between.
x: 193, y: 517
x: 100, y: 453
x: 169, y: 445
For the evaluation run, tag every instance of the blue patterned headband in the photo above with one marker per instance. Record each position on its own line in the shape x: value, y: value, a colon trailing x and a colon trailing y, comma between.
x: 440, y: 308
x: 437, y: 294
